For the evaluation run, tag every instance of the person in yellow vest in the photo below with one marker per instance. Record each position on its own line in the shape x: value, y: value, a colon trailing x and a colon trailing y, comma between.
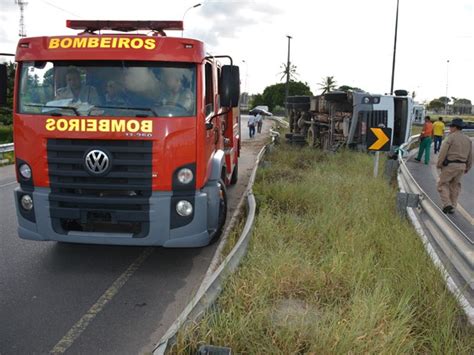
x: 454, y: 160
x: 438, y: 133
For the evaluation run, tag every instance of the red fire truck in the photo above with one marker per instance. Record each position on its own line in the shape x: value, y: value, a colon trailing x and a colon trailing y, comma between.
x: 123, y: 138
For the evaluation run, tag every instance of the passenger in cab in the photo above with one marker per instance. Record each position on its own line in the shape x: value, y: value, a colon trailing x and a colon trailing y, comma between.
x: 115, y: 95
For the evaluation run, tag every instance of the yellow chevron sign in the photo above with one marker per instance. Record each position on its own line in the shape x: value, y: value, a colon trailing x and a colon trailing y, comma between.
x: 379, y: 139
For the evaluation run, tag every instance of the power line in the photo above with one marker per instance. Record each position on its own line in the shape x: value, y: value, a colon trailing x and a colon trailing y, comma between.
x: 61, y: 9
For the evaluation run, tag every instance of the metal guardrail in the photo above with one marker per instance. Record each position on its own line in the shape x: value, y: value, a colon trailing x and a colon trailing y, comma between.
x: 212, y: 286
x: 457, y: 250
x: 8, y: 147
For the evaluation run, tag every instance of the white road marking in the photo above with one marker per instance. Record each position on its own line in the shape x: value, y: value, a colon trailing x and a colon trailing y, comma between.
x: 106, y: 297
x: 8, y: 184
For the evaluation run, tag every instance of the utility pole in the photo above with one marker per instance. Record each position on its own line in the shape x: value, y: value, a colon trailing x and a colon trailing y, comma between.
x: 394, y: 51
x: 447, y: 77
x: 287, y: 87
x: 22, y: 4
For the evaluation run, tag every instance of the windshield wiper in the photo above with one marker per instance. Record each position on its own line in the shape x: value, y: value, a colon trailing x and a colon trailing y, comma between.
x: 129, y: 108
x: 54, y: 106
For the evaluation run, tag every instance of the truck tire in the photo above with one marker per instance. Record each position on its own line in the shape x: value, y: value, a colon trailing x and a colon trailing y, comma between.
x: 235, y: 175
x: 222, y: 212
x: 311, y: 137
x: 336, y: 96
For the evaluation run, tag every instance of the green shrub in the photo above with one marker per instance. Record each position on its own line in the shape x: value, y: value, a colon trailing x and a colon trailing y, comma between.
x: 6, y: 134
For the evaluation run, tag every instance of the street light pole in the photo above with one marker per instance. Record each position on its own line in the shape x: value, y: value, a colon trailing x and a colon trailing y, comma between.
x: 246, y: 74
x: 287, y: 73
x: 394, y: 51
x: 192, y: 7
x: 447, y: 76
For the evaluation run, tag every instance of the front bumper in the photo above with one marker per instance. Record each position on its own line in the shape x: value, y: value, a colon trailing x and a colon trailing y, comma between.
x: 196, y: 233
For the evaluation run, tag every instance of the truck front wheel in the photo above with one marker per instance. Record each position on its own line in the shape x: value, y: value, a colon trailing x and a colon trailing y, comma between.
x: 222, y: 211
x: 235, y: 175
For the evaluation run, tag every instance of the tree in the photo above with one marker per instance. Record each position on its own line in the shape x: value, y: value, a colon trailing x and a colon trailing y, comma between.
x: 347, y: 88
x: 293, y: 73
x: 435, y: 105
x: 462, y: 106
x: 256, y: 100
x: 445, y: 99
x: 6, y: 113
x: 328, y: 84
x: 274, y: 95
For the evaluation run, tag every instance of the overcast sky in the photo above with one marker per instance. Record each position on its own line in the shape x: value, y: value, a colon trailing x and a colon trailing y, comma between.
x: 350, y: 40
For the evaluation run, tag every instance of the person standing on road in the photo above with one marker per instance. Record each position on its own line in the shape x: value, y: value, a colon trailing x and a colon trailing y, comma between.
x: 438, y: 133
x: 259, y: 120
x: 425, y: 141
x: 251, y: 124
x: 455, y: 159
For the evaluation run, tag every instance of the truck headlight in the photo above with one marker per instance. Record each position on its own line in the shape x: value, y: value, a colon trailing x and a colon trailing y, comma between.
x: 26, y: 202
x: 184, y: 208
x: 185, y: 176
x: 25, y: 171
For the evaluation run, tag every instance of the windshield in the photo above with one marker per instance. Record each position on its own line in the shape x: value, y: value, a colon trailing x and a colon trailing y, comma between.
x: 108, y: 88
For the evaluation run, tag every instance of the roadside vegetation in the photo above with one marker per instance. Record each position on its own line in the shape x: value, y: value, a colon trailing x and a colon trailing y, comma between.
x: 6, y: 134
x: 331, y: 268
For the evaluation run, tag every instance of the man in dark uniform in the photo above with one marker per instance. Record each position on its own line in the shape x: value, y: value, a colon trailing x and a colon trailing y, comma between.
x: 455, y: 160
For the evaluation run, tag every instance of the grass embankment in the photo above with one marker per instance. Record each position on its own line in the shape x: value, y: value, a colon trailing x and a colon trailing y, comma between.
x: 331, y: 268
x: 466, y: 118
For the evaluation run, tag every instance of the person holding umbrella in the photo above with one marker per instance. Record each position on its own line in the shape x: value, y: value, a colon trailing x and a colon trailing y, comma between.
x: 259, y: 120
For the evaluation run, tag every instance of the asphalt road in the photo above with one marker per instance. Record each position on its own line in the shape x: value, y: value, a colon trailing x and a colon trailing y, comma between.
x: 88, y: 299
x: 427, y: 177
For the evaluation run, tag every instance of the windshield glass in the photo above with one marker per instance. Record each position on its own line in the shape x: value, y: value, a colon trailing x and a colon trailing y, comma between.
x: 108, y: 88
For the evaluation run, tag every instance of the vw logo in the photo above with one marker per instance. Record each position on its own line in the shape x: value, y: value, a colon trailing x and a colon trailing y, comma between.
x: 97, y: 162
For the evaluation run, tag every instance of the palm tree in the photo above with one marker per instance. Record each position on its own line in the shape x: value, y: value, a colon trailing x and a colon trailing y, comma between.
x: 328, y: 84
x: 293, y: 73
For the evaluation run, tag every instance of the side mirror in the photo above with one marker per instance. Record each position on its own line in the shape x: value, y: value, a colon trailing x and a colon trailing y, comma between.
x: 229, y: 89
x: 209, y: 125
x: 3, y: 84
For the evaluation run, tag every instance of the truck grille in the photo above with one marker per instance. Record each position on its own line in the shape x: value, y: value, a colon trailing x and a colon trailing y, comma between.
x: 376, y: 118
x: 116, y: 202
x: 366, y: 120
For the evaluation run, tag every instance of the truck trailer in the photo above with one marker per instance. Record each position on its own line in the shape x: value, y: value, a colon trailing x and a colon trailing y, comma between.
x: 124, y: 136
x: 342, y: 119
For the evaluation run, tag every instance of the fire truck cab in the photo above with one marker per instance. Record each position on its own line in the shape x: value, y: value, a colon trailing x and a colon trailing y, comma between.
x: 126, y: 139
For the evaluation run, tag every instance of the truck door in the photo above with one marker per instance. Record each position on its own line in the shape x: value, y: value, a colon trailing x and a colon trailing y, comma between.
x: 401, y: 120
x: 210, y: 110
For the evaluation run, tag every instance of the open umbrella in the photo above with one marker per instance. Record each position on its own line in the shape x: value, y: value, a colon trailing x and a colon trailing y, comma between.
x: 256, y: 111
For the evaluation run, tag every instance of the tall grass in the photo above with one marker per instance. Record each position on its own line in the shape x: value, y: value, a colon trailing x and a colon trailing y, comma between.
x: 331, y: 269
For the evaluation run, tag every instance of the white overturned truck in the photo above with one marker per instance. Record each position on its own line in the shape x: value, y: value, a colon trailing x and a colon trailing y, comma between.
x: 338, y: 119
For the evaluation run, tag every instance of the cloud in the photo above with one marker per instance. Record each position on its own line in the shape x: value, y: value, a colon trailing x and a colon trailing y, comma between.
x: 228, y: 18
x: 10, y: 24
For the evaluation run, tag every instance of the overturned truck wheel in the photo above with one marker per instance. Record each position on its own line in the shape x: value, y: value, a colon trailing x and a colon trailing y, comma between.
x: 311, y: 137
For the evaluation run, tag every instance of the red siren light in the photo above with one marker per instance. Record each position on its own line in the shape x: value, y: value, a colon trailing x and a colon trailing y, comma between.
x: 124, y: 26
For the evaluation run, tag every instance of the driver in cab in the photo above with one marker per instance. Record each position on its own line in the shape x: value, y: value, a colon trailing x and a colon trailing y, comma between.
x: 174, y: 93
x: 76, y: 91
